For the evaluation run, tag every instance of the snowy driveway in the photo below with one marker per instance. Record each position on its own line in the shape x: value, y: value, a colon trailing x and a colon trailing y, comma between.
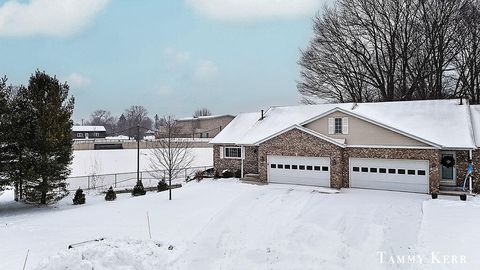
x: 230, y: 225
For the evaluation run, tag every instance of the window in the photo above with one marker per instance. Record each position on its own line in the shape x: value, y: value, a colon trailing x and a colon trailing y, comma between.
x: 411, y: 172
x: 233, y: 152
x: 287, y: 166
x: 316, y: 168
x: 356, y: 169
x: 325, y: 168
x: 338, y: 125
x: 393, y: 171
x: 364, y: 169
x: 382, y: 170
x: 309, y: 168
x: 301, y: 167
x: 421, y: 172
x: 373, y: 170
x: 79, y: 135
x: 280, y: 166
x: 401, y: 171
x: 273, y: 166
x: 294, y: 167
x: 96, y: 134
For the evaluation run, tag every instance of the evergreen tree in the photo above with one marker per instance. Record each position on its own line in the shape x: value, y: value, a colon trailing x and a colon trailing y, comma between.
x: 111, y: 195
x: 4, y: 159
x: 51, y: 144
x: 79, y: 197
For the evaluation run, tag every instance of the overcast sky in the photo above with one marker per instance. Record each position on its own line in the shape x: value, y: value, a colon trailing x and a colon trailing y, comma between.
x: 171, y: 56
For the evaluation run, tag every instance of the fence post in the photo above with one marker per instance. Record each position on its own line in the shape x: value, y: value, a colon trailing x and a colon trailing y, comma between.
x: 115, y: 181
x: 88, y: 182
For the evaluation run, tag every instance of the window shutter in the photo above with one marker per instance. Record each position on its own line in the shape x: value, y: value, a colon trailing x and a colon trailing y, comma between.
x: 345, y: 125
x: 221, y: 152
x: 331, y: 125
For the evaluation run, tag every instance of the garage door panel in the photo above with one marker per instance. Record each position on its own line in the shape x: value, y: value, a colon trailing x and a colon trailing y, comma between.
x: 313, y: 171
x: 400, y: 175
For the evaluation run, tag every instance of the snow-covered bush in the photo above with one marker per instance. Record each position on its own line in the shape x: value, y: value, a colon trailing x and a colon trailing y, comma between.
x: 227, y: 174
x: 138, y: 189
x: 216, y: 175
x: 111, y: 195
x: 199, y: 175
x: 79, y: 197
x: 162, y: 186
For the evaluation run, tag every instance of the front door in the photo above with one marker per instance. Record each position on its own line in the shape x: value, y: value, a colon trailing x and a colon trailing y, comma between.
x: 448, y: 174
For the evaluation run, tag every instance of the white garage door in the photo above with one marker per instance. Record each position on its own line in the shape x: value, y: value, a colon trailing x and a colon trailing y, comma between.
x: 312, y: 171
x: 389, y: 174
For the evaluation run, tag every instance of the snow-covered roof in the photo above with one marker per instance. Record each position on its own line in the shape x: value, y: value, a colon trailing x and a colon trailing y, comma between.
x: 88, y: 128
x: 440, y: 123
x: 204, y: 117
x: 475, y: 113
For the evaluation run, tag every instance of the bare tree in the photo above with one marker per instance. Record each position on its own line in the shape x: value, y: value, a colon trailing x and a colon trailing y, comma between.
x: 376, y: 50
x: 135, y: 116
x: 103, y: 118
x: 202, y: 112
x: 170, y: 153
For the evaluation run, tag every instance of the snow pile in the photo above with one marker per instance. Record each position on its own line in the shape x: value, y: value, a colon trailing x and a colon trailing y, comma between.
x: 109, y: 254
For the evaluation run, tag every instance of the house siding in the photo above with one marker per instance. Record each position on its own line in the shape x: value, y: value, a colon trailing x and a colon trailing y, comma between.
x: 432, y: 155
x: 299, y: 143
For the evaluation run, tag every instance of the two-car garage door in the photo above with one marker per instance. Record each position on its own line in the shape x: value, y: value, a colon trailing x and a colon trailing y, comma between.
x: 312, y: 171
x: 389, y: 174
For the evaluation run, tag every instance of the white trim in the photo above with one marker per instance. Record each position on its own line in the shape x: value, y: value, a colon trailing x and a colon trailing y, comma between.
x: 337, y: 109
x: 391, y: 146
x: 331, y: 125
x: 470, y: 125
x: 221, y: 152
x: 306, y: 130
x: 345, y: 125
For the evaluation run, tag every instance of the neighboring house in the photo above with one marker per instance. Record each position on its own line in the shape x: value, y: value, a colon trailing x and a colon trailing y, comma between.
x: 392, y: 145
x: 203, y: 126
x: 88, y: 132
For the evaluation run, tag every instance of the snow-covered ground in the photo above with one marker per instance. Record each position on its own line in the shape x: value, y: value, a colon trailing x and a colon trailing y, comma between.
x: 226, y: 224
x: 87, y: 162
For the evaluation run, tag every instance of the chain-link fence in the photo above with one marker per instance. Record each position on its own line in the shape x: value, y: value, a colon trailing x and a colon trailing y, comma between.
x: 128, y: 180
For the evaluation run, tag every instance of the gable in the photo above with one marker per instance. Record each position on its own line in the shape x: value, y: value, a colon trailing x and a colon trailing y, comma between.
x: 364, y: 133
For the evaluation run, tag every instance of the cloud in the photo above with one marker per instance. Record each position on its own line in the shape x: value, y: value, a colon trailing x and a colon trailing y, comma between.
x: 205, y: 71
x: 75, y: 81
x: 165, y: 90
x: 248, y: 10
x: 175, y: 58
x: 56, y: 18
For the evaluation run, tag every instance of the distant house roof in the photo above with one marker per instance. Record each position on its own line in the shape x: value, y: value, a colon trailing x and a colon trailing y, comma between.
x: 205, y: 117
x: 88, y: 128
x: 440, y: 123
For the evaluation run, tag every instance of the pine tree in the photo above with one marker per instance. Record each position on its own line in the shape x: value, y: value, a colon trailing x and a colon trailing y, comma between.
x: 51, y: 146
x: 111, y: 195
x: 79, y: 197
x: 4, y: 158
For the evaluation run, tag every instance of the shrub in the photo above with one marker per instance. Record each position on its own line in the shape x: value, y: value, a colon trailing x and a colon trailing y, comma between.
x: 199, y: 175
x: 238, y: 174
x: 227, y: 174
x: 138, y: 189
x: 162, y: 185
x: 216, y: 175
x: 111, y: 195
x: 79, y: 197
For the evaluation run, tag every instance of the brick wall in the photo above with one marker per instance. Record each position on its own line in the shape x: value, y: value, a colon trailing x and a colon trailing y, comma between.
x: 299, y: 143
x: 250, y: 162
x: 461, y: 164
x: 433, y: 156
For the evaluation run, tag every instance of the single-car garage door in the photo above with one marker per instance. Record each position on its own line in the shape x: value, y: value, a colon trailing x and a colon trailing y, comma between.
x: 312, y: 171
x: 389, y: 174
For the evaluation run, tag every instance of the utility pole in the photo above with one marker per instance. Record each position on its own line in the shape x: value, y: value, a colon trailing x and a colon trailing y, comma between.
x: 138, y: 154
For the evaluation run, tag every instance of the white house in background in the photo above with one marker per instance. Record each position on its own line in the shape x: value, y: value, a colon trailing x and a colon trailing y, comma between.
x: 88, y: 132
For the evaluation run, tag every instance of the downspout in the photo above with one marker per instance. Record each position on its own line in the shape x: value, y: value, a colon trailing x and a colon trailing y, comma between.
x: 470, y: 152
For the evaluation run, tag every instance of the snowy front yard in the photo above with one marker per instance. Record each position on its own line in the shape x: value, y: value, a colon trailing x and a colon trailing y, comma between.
x: 226, y: 224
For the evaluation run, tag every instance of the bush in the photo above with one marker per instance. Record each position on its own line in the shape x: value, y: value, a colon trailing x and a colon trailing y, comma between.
x: 227, y: 174
x: 238, y: 174
x: 162, y: 185
x: 111, y: 195
x: 79, y: 197
x: 199, y: 175
x: 138, y: 189
x: 216, y: 175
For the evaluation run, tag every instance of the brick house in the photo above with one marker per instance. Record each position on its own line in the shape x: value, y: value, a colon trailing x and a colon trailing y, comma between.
x: 415, y: 146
